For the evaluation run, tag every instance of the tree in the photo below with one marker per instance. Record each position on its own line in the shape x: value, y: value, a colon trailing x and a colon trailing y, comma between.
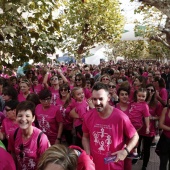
x: 163, y: 34
x: 87, y: 23
x: 28, y: 30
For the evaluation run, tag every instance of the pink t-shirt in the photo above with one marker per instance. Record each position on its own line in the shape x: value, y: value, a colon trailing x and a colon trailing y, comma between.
x: 167, y: 122
x: 55, y: 95
x: 2, y: 116
x: 124, y: 111
x: 87, y: 93
x: 107, y: 136
x: 21, y: 96
x: 49, y: 121
x: 81, y: 109
x: 30, y: 152
x: 137, y: 112
x: 163, y: 94
x: 154, y: 111
x: 6, y: 161
x: 37, y: 88
x: 8, y: 127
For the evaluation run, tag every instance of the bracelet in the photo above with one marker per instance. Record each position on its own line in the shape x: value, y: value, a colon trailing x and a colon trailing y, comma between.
x: 127, y: 151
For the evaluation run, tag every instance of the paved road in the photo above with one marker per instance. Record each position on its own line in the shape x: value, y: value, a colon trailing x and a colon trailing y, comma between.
x: 153, y: 162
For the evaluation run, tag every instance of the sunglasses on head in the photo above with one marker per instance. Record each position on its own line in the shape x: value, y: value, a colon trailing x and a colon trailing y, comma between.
x: 77, y: 79
x: 21, y: 153
x: 54, y: 78
x: 63, y: 89
x: 151, y: 90
x: 111, y: 86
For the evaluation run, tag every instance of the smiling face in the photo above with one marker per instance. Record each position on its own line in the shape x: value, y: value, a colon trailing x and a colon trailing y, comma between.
x: 25, y: 119
x: 79, y: 95
x: 123, y: 96
x: 100, y: 99
x: 141, y: 96
x: 24, y: 87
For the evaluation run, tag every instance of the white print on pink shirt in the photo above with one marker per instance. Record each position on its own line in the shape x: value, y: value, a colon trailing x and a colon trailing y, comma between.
x: 63, y: 111
x: 44, y: 124
x: 102, y: 139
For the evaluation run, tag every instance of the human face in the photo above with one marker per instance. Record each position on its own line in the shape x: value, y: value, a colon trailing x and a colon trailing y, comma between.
x: 6, y: 97
x: 9, y: 112
x: 150, y: 90
x: 141, y: 96
x: 112, y: 88
x: 52, y: 166
x: 137, y: 82
x: 25, y: 119
x: 35, y: 81
x: 105, y: 80
x: 46, y: 102
x: 123, y: 96
x: 79, y: 95
x: 24, y: 87
x: 78, y: 81
x: 100, y: 99
x: 54, y: 80
x: 64, y: 91
x: 157, y: 74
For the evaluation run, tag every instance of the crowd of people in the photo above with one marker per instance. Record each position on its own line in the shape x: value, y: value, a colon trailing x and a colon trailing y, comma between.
x: 79, y: 116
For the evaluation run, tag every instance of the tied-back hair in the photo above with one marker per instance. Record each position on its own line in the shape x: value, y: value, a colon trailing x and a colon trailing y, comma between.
x: 140, y: 90
x: 60, y: 155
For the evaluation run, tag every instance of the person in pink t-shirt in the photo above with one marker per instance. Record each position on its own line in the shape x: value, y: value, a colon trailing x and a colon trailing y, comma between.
x: 36, y: 87
x: 106, y: 131
x: 79, y: 111
x: 139, y: 110
x: 124, y: 106
x: 50, y: 121
x: 27, y: 143
x: 6, y: 161
x: 155, y: 110
x: 9, y: 124
x: 54, y: 84
x: 25, y: 90
x: 64, y: 107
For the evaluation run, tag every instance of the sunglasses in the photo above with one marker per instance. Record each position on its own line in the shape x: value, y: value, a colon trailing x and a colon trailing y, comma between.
x: 77, y: 79
x: 54, y: 79
x: 151, y: 90
x: 4, y: 94
x: 111, y: 86
x: 105, y: 79
x: 63, y: 89
x: 21, y: 153
x: 7, y: 110
x: 86, y: 70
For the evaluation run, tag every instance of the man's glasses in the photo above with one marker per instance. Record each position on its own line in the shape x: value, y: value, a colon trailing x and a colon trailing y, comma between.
x: 150, y: 90
x: 54, y: 79
x: 21, y: 153
x: 112, y: 86
x: 46, y: 100
x: 77, y: 79
x: 63, y: 89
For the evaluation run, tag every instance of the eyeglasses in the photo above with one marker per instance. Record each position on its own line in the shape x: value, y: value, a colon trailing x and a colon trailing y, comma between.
x: 21, y: 153
x: 54, y: 78
x: 7, y: 110
x: 86, y: 70
x: 46, y: 100
x: 63, y: 89
x: 150, y: 90
x: 112, y: 86
x: 77, y: 79
x: 105, y: 79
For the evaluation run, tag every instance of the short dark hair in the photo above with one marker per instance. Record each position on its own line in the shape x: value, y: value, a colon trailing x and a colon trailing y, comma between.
x: 99, y: 85
x: 12, y: 104
x: 45, y: 93
x: 26, y: 105
x: 10, y: 91
x: 126, y: 89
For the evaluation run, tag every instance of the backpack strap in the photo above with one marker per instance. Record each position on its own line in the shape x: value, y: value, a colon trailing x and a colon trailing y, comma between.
x: 15, y: 133
x: 38, y: 139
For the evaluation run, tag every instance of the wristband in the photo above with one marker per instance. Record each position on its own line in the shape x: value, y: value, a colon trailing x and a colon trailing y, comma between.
x: 127, y: 151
